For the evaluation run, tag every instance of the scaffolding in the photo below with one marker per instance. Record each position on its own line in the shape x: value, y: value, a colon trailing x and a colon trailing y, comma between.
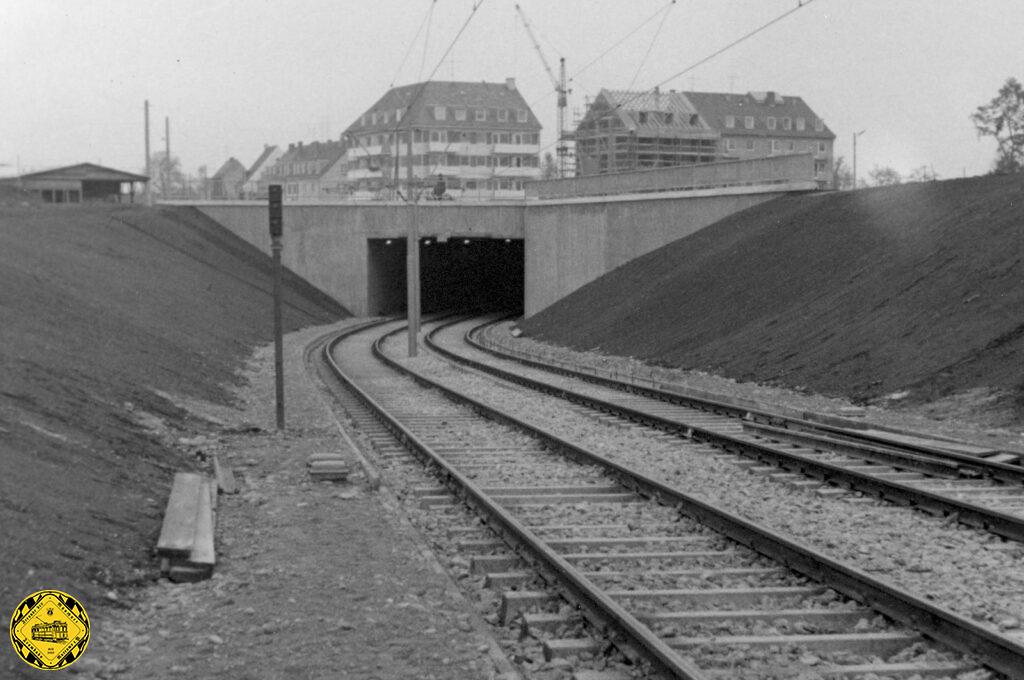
x: 625, y: 131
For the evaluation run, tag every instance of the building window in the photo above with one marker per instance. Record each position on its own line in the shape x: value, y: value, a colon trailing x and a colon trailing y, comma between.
x: 730, y: 121
x: 730, y: 145
x: 362, y: 119
x: 819, y: 125
x: 398, y: 115
x: 481, y: 114
x: 460, y: 114
x: 748, y: 122
x: 470, y: 185
x: 516, y: 139
x: 521, y: 115
x: 821, y: 147
x: 750, y: 145
x: 771, y: 122
x: 440, y: 113
x: 776, y: 145
x: 643, y: 118
x: 800, y: 124
x: 503, y: 115
x: 790, y: 146
x: 787, y: 123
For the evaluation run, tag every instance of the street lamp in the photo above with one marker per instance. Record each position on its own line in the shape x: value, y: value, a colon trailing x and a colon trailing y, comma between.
x: 855, y: 136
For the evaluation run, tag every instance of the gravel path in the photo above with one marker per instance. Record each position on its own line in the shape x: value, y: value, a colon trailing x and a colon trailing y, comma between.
x: 971, y: 572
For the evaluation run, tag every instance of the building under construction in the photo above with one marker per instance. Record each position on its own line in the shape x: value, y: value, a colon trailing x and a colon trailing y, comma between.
x: 624, y: 131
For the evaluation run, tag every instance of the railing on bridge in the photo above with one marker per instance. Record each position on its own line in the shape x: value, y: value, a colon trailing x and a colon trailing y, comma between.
x: 794, y: 168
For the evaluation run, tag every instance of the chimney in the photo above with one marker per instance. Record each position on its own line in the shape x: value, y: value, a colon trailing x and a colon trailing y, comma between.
x: 510, y: 83
x: 300, y: 145
x: 291, y: 146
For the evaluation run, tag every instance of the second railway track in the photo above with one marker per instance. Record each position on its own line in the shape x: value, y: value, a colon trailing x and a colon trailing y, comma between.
x: 670, y: 580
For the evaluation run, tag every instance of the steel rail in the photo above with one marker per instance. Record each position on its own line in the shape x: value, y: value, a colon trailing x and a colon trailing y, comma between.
x: 968, y: 513
x: 998, y: 652
x: 1010, y: 474
x: 606, y: 614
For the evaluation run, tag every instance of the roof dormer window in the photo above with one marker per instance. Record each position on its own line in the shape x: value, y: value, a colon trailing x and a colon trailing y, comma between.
x: 440, y: 113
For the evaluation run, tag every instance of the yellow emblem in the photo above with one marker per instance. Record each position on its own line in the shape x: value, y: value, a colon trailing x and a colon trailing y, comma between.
x: 50, y: 630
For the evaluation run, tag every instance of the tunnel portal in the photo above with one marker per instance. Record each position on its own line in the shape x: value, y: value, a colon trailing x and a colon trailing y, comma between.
x: 456, y: 274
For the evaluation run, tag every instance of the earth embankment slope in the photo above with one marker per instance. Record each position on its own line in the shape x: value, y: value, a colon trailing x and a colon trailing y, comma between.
x: 105, y: 310
x: 916, y: 288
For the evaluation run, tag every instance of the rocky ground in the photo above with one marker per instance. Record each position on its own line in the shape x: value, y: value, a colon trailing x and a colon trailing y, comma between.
x: 105, y: 311
x: 314, y: 580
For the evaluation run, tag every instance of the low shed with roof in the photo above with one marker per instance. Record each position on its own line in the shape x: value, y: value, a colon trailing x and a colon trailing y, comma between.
x: 82, y: 183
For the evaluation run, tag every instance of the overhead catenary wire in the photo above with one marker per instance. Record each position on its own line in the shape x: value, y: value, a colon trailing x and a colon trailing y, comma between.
x: 423, y: 84
x: 607, y: 51
x: 746, y: 36
x: 650, y: 46
x: 412, y: 43
x: 426, y: 41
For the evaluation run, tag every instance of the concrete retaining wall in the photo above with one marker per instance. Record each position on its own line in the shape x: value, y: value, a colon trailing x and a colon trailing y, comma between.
x: 327, y: 244
x: 571, y: 243
x: 568, y: 243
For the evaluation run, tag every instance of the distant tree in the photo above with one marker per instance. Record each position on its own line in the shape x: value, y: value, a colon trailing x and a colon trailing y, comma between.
x: 550, y: 167
x: 922, y: 174
x: 884, y: 177
x: 1003, y: 119
x: 165, y: 176
x: 842, y: 175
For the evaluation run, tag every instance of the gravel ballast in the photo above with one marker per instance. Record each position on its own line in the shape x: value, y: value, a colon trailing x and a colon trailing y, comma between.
x: 971, y: 572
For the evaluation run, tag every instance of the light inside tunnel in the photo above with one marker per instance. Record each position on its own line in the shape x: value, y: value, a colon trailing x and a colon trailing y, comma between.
x: 453, y: 277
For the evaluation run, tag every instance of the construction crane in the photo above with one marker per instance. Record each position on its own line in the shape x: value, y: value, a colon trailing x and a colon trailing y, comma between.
x: 562, y: 150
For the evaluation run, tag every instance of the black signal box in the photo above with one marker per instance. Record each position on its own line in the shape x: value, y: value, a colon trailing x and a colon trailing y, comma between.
x: 276, y: 217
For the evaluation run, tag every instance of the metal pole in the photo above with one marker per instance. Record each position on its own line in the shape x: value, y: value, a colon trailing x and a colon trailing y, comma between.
x: 167, y: 154
x: 148, y: 194
x: 278, y: 334
x: 855, y: 136
x: 276, y: 231
x: 412, y: 254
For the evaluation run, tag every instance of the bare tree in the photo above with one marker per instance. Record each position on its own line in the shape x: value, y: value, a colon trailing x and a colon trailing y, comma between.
x: 884, y: 177
x: 922, y: 173
x: 167, y: 179
x: 550, y: 168
x: 842, y: 175
x: 1003, y: 119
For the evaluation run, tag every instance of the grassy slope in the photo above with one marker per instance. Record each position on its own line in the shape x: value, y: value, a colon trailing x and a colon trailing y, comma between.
x: 863, y: 293
x: 100, y: 307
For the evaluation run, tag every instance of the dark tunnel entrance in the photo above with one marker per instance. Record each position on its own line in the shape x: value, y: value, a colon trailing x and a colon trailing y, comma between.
x: 458, y: 274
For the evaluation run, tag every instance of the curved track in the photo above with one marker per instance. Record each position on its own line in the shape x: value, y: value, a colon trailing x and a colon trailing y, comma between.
x: 656, y: 573
x: 987, y: 494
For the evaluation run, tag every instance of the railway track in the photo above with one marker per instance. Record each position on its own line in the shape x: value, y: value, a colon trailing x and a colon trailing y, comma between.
x: 979, y: 492
x: 587, y: 555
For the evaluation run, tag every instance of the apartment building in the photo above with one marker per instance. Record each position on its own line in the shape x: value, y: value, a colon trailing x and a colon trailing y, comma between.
x: 623, y: 131
x: 308, y: 171
x: 761, y: 124
x: 482, y: 138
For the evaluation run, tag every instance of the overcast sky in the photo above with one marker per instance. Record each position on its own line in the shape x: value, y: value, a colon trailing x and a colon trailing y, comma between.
x: 235, y: 74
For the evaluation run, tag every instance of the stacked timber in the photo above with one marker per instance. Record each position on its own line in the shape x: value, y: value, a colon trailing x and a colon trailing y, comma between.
x: 328, y: 467
x: 186, y: 543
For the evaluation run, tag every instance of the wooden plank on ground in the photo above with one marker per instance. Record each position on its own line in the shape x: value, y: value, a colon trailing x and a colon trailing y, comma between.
x: 225, y: 476
x: 179, y: 528
x: 203, y: 554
